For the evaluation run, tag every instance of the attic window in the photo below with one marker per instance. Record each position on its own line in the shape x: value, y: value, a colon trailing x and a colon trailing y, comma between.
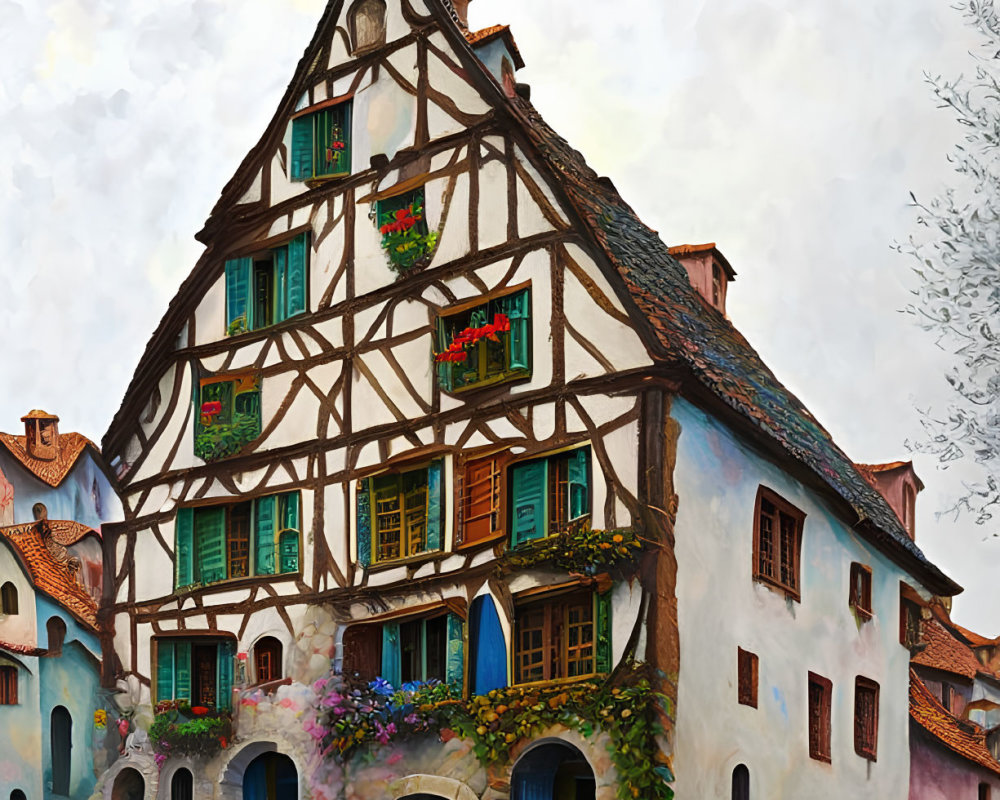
x: 717, y: 283
x: 861, y: 591
x: 909, y: 509
x: 367, y: 25
x: 777, y: 542
x: 321, y: 142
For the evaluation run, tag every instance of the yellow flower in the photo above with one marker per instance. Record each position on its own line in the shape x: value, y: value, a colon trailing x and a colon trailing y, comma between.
x: 617, y: 538
x: 626, y: 713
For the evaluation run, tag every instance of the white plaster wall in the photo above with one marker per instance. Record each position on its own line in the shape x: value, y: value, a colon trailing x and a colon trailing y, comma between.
x: 17, y: 628
x: 210, y: 316
x: 721, y: 608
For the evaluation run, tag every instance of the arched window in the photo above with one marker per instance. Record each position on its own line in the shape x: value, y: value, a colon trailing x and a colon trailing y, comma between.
x: 182, y: 785
x: 61, y: 741
x: 267, y: 660
x: 367, y: 23
x: 56, y: 629
x: 8, y: 598
x: 741, y: 782
x: 552, y: 770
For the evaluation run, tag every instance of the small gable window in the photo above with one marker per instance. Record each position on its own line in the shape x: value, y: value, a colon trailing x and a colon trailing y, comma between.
x: 562, y: 637
x: 366, y: 21
x: 861, y: 591
x: 267, y: 660
x: 8, y: 599
x: 549, y: 495
x: 417, y: 650
x: 199, y: 671
x: 407, y: 240
x: 228, y: 415
x: 321, y: 142
x: 777, y: 542
x: 486, y: 343
x: 866, y: 718
x: 256, y: 537
x: 400, y: 514
x: 267, y: 288
x: 8, y: 686
x: 820, y: 697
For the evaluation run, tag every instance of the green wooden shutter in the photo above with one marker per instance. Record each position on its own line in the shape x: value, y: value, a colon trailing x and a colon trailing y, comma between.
x: 182, y: 670
x: 455, y: 666
x: 603, y: 622
x: 224, y: 667
x: 579, y: 485
x: 435, y: 505
x: 289, y: 540
x: 364, y: 522
x: 264, y: 530
x: 297, y: 281
x: 520, y: 330
x: 444, y: 368
x: 279, y: 292
x: 239, y: 275
x: 530, y: 483
x: 391, y: 655
x: 210, y: 545
x: 184, y: 547
x: 164, y: 670
x: 302, y: 148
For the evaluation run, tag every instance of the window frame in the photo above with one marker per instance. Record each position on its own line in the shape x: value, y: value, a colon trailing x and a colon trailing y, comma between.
x: 313, y: 113
x: 9, y: 679
x: 241, y: 384
x: 290, y: 256
x: 747, y: 677
x: 866, y: 727
x: 819, y: 705
x: 909, y: 619
x: 509, y: 373
x: 356, y: 47
x: 552, y: 527
x: 224, y: 645
x: 860, y: 595
x: 496, y: 463
x: 783, y: 509
x: 268, y: 646
x: 9, y: 600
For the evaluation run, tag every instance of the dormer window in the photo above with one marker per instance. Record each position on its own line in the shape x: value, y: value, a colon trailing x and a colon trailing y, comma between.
x: 41, y: 432
x: 708, y: 271
x: 366, y: 21
x: 321, y: 141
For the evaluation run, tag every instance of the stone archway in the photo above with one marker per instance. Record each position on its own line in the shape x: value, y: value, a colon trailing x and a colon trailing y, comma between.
x: 553, y: 770
x: 129, y: 785
x: 430, y: 787
x: 271, y: 776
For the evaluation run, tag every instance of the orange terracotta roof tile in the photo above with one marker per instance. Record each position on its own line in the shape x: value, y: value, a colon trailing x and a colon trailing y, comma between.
x: 21, y: 649
x: 71, y: 447
x: 946, y: 653
x: 974, y: 639
x: 967, y: 740
x: 487, y: 35
x: 51, y: 571
x: 474, y: 37
x: 66, y: 532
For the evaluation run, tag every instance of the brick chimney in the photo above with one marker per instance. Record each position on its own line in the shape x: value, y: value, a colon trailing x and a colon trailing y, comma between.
x: 708, y: 271
x: 41, y: 431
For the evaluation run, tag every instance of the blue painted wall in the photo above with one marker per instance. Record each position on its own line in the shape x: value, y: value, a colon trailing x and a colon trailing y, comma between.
x: 20, y: 733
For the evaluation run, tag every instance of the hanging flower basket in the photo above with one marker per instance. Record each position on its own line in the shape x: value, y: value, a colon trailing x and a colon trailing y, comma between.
x: 183, y: 730
x: 405, y: 238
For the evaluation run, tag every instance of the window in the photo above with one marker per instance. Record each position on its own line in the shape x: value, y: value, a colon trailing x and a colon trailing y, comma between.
x: 866, y: 718
x: 481, y: 499
x: 407, y: 240
x: 820, y: 693
x: 861, y: 591
x: 400, y: 515
x: 909, y: 621
x: 909, y: 509
x: 56, y: 630
x: 255, y: 537
x: 267, y: 660
x: 717, y: 284
x: 8, y: 686
x: 984, y: 791
x: 416, y: 650
x: 486, y: 344
x: 367, y: 25
x: 8, y: 598
x: 321, y: 141
x: 549, y: 495
x: 741, y: 782
x: 228, y: 415
x: 61, y: 743
x: 746, y: 667
x: 267, y: 288
x: 182, y: 785
x: 562, y: 637
x: 777, y: 542
x: 199, y: 671
x: 947, y: 698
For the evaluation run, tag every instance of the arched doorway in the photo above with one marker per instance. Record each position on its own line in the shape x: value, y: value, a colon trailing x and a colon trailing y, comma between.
x: 553, y: 771
x: 17, y: 794
x: 61, y: 743
x: 741, y: 782
x: 182, y: 785
x: 271, y: 776
x: 129, y: 785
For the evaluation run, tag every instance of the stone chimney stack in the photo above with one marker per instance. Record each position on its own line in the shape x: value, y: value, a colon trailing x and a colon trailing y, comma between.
x: 41, y: 431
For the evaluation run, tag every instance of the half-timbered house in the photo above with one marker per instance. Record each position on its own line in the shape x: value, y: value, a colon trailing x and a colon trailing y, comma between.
x: 435, y: 408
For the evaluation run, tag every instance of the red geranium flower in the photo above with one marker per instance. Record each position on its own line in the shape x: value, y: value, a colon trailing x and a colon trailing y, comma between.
x: 211, y: 409
x: 199, y: 711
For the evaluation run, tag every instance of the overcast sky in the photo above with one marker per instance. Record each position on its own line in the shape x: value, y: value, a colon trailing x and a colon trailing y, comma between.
x: 790, y: 132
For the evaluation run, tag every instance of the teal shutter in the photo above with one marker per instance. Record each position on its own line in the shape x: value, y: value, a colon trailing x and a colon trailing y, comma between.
x: 391, y: 655
x: 520, y: 330
x: 264, y: 514
x: 602, y: 616
x: 182, y: 670
x: 164, y: 670
x: 530, y: 483
x: 239, y: 275
x: 302, y: 148
x: 444, y: 368
x: 183, y: 547
x: 289, y: 539
x: 364, y: 522
x: 579, y: 486
x: 280, y: 287
x: 455, y: 666
x: 435, y: 505
x: 297, y: 280
x: 224, y: 674
x: 210, y: 544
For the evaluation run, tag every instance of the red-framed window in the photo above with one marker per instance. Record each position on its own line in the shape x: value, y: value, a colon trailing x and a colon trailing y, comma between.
x: 866, y: 718
x: 861, y: 591
x: 820, y: 701
x: 777, y: 543
x: 747, y: 665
